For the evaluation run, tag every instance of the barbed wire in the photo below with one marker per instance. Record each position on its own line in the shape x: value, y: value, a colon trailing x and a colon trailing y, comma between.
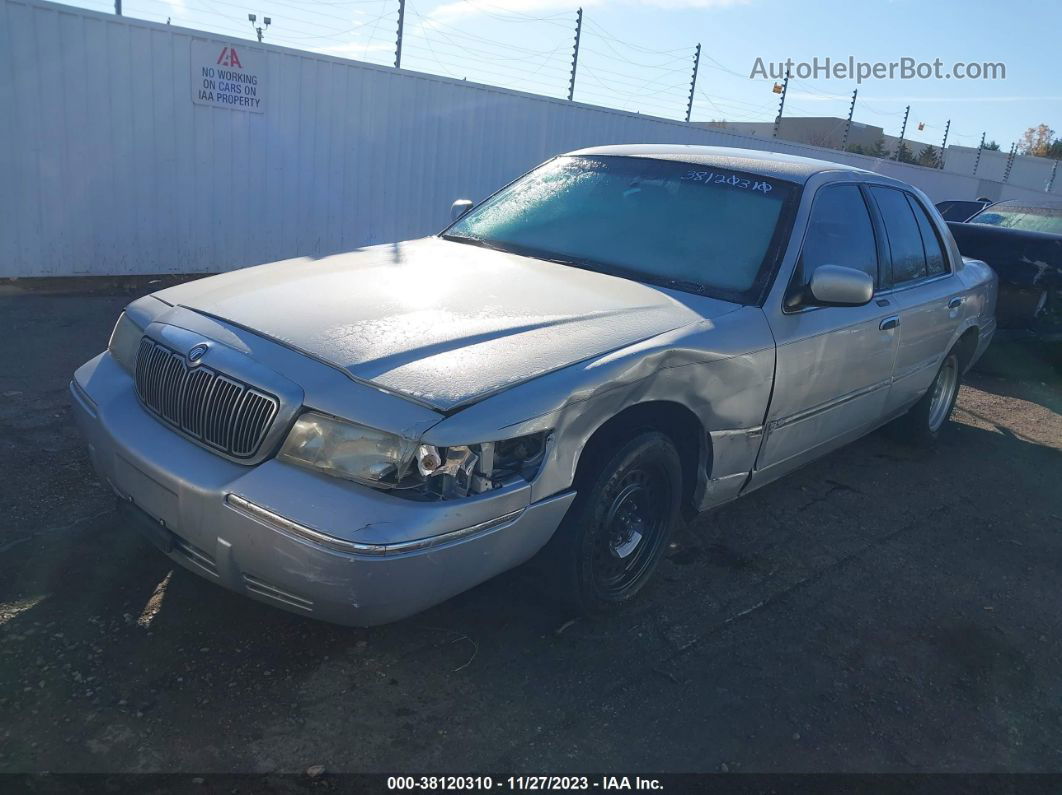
x: 611, y: 68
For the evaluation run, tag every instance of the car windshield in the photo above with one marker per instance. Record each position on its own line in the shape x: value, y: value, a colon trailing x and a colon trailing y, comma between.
x: 1030, y: 219
x: 694, y: 228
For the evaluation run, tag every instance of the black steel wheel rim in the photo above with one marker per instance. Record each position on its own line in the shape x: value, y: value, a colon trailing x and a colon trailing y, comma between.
x: 631, y: 530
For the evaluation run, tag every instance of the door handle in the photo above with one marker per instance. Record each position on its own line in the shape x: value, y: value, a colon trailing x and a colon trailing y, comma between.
x: 955, y: 303
x: 889, y: 323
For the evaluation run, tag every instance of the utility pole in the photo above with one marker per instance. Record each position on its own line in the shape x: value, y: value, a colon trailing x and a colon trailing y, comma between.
x: 944, y: 145
x: 259, y: 30
x: 575, y: 53
x: 1010, y: 161
x: 781, y: 105
x: 848, y: 124
x: 118, y: 7
x: 401, y: 24
x: 903, y: 131
x: 693, y: 82
x: 980, y: 148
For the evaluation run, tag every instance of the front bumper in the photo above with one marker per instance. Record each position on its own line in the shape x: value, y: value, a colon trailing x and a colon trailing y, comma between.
x: 295, y: 539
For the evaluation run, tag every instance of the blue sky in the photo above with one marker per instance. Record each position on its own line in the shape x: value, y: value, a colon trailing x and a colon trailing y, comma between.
x: 638, y: 54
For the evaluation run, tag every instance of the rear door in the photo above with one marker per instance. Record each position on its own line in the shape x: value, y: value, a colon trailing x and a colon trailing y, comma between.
x: 923, y: 289
x: 834, y: 364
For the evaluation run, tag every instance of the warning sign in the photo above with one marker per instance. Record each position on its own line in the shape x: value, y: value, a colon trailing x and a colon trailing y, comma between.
x: 228, y: 76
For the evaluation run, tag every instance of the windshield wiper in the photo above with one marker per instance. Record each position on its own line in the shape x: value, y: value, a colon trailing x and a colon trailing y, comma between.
x: 474, y: 241
x: 683, y: 284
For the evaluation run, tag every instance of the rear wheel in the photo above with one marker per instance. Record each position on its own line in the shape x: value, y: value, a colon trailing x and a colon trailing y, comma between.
x: 925, y: 420
x: 617, y: 529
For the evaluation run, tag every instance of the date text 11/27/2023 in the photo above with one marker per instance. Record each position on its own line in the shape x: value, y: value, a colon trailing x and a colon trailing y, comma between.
x: 523, y: 783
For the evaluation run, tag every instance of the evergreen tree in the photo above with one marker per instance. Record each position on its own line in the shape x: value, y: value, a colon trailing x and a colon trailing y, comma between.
x: 878, y: 149
x: 903, y: 153
x: 929, y: 157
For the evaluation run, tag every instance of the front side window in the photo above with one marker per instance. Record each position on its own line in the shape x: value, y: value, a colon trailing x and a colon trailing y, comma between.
x: 839, y: 233
x: 709, y: 231
x: 905, y: 241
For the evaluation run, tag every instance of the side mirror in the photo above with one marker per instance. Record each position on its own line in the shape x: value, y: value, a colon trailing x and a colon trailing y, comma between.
x: 836, y: 285
x: 459, y: 208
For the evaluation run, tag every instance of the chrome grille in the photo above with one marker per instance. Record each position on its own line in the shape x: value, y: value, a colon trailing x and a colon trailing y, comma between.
x: 218, y: 410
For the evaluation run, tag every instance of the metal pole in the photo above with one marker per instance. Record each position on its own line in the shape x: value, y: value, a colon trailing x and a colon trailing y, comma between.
x: 118, y: 7
x: 398, y: 42
x: 903, y: 131
x: 944, y: 146
x: 980, y: 148
x: 693, y: 82
x: 1010, y: 161
x: 848, y: 124
x: 781, y: 105
x: 575, y: 53
x: 1051, y: 180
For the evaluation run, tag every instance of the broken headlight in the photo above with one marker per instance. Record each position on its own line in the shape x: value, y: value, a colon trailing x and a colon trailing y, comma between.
x: 471, y: 469
x: 418, y: 471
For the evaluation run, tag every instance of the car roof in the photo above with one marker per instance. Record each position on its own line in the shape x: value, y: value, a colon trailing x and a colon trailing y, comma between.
x: 1046, y: 204
x: 769, y: 164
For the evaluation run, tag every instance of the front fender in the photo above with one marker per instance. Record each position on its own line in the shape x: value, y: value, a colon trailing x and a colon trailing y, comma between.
x: 721, y: 369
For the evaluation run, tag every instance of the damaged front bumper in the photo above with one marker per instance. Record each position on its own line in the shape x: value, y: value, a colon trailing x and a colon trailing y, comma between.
x: 299, y: 540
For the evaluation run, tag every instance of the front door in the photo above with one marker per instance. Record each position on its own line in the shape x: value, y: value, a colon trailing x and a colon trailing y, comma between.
x: 834, y: 364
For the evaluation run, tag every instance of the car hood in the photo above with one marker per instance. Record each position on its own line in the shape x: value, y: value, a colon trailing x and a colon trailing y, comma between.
x: 442, y: 323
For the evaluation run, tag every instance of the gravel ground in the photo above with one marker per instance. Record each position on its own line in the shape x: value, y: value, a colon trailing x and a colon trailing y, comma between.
x: 884, y: 609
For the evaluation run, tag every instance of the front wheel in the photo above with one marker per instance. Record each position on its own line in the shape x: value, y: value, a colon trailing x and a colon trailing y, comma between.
x: 925, y: 420
x: 613, y: 537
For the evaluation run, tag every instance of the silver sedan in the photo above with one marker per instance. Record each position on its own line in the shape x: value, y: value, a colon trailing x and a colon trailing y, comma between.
x: 622, y: 336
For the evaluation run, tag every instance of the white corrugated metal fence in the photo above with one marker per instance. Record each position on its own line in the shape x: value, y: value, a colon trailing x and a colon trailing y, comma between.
x: 109, y: 167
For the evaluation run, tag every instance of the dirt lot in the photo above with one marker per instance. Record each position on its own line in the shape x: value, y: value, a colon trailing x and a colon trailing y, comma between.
x: 882, y: 610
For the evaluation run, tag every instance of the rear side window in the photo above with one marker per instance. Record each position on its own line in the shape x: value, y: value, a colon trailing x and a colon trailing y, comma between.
x: 905, y: 241
x: 839, y: 232
x: 935, y: 264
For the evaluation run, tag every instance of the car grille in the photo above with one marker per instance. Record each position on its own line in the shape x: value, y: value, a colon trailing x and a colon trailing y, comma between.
x: 218, y: 410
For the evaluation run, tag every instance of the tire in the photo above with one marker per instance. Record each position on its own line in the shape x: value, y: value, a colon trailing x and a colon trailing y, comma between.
x: 619, y: 526
x: 925, y: 420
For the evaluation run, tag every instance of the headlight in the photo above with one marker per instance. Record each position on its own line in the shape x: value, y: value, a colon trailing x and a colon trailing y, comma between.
x: 418, y: 471
x: 125, y: 339
x: 348, y: 450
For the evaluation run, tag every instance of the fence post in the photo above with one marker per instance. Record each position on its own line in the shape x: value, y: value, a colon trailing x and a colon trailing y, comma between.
x: 980, y: 148
x: 398, y: 41
x: 944, y: 146
x: 903, y: 131
x: 1010, y: 161
x: 848, y: 124
x: 781, y: 105
x: 693, y: 82
x: 575, y: 53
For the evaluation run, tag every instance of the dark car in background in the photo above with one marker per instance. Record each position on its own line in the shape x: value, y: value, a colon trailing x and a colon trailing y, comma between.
x: 958, y: 210
x: 1022, y: 241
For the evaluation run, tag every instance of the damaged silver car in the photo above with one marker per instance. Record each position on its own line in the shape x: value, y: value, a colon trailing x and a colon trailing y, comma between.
x: 621, y: 337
